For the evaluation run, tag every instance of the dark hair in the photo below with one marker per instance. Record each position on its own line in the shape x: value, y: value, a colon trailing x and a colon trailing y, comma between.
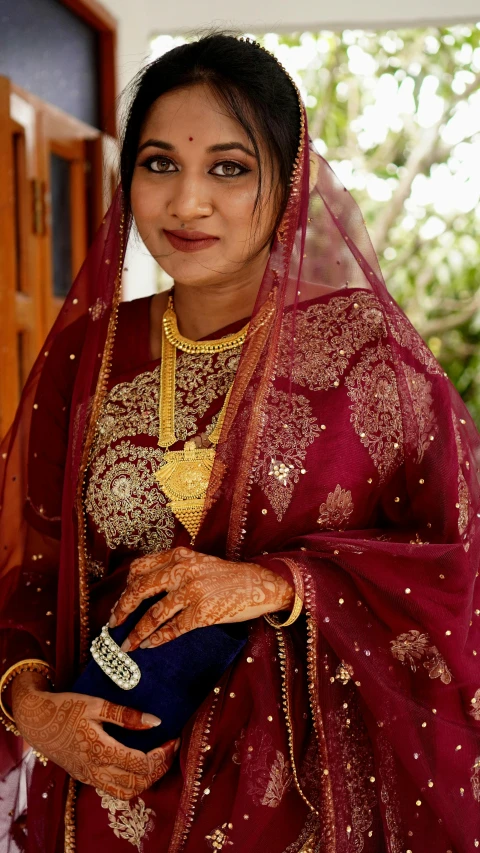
x: 246, y: 79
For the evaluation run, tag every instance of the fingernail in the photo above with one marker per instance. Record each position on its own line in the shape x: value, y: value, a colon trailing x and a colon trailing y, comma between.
x: 126, y: 645
x: 177, y: 745
x: 150, y: 720
x: 112, y: 621
x: 146, y: 644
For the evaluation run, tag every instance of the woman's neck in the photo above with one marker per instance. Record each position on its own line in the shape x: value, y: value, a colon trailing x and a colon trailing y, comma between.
x: 201, y: 311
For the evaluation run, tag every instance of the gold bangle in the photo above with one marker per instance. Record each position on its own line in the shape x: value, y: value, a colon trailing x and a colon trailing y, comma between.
x: 299, y: 595
x: 297, y: 609
x: 28, y: 665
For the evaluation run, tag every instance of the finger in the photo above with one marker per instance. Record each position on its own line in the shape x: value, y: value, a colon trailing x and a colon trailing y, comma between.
x: 162, y: 758
x: 109, y: 751
x: 181, y: 624
x: 155, y: 616
x: 114, y: 781
x: 135, y: 592
x: 163, y: 559
x: 170, y: 574
x: 127, y: 718
x: 150, y: 562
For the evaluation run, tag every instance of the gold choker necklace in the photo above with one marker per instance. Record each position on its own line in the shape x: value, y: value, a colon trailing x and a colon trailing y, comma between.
x: 185, y: 474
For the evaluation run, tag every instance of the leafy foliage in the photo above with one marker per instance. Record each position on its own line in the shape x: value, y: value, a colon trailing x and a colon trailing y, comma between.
x: 397, y: 114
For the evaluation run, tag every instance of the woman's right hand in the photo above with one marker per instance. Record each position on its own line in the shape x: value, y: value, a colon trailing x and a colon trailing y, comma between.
x: 67, y: 728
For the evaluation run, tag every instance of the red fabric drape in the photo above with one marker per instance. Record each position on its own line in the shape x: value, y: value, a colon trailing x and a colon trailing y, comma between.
x: 373, y: 694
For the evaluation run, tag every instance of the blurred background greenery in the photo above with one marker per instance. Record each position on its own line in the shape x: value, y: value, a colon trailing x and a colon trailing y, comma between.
x: 397, y: 115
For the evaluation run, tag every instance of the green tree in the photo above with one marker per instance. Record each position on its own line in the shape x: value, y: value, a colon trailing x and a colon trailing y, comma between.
x: 397, y: 114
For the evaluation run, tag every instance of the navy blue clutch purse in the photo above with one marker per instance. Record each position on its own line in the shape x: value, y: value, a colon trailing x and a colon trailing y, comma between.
x: 170, y: 681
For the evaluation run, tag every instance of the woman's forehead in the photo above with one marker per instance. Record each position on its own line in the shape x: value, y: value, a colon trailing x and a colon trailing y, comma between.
x: 194, y: 114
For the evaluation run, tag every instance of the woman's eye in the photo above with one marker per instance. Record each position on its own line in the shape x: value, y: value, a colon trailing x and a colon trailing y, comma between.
x: 228, y: 169
x: 159, y: 164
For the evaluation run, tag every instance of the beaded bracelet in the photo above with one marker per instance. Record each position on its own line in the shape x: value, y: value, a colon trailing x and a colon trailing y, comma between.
x: 28, y: 665
x: 298, y: 601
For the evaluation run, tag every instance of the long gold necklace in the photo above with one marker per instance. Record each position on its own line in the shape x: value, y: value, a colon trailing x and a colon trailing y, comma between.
x: 185, y: 474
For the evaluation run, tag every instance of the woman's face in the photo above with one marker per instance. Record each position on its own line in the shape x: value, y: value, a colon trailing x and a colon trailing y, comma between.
x: 194, y: 188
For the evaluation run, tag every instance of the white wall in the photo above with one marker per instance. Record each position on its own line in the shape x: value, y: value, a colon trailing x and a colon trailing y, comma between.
x: 138, y: 20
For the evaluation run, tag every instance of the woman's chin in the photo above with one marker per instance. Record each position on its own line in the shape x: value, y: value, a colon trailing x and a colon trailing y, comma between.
x: 192, y: 272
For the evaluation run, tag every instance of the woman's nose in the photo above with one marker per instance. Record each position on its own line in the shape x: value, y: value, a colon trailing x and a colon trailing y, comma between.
x: 190, y: 199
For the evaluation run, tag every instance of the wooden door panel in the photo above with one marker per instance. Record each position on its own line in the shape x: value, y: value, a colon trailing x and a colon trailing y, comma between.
x: 33, y: 136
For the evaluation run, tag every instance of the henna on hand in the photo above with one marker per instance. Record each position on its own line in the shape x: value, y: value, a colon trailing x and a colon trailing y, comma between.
x: 66, y: 727
x: 201, y: 590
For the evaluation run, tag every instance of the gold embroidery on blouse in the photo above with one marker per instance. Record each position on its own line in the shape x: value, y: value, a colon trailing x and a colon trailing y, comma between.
x: 376, y: 414
x: 122, y: 497
x: 412, y: 646
x: 337, y: 509
x: 124, y: 500
x: 131, y: 408
x: 326, y: 337
x: 290, y: 429
x: 421, y: 395
x: 475, y: 703
x: 404, y: 333
x: 134, y: 821
x: 475, y: 780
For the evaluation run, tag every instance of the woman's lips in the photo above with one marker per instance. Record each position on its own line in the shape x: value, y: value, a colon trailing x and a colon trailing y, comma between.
x: 192, y: 241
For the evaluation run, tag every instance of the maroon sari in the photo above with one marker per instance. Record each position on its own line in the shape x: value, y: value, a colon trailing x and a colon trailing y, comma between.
x: 345, y: 450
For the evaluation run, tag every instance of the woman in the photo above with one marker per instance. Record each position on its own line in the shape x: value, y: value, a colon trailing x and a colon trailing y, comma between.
x: 341, y: 490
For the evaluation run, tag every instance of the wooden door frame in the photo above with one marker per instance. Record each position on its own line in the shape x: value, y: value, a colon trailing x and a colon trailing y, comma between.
x: 9, y: 387
x: 105, y: 25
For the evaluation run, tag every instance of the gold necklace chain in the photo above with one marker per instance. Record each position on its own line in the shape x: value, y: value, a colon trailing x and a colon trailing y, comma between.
x: 170, y: 328
x: 185, y: 474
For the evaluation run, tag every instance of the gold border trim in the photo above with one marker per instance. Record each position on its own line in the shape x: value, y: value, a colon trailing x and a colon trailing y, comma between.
x: 193, y: 775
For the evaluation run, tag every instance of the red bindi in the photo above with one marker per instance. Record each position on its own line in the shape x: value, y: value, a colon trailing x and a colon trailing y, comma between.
x: 190, y: 138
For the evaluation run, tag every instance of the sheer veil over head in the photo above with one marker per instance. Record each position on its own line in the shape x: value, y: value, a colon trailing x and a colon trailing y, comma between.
x: 332, y: 375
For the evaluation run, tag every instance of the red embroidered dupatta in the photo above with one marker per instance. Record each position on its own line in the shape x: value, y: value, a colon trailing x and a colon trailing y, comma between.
x: 371, y: 698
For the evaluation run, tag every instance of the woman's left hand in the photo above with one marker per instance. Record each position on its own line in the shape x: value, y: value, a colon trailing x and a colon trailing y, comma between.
x: 201, y: 590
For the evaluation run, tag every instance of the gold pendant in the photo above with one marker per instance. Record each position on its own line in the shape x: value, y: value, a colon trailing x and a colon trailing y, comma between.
x: 184, y: 480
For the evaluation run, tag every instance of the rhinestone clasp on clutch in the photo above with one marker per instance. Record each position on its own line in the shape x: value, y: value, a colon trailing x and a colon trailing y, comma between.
x: 115, y: 663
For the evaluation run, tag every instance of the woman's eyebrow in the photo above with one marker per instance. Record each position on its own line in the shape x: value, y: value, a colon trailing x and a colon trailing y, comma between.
x: 156, y: 143
x: 220, y: 146
x: 229, y: 146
